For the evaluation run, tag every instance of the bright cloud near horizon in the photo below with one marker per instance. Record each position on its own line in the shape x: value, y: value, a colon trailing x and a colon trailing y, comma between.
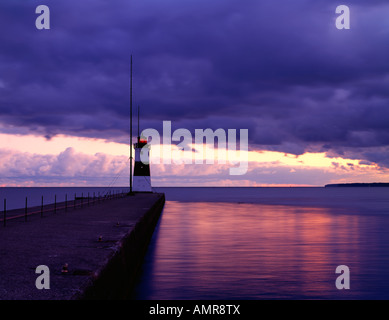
x: 36, y: 161
x: 315, y: 99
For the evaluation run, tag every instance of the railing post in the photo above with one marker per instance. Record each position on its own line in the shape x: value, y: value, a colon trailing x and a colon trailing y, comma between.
x: 75, y: 197
x: 42, y: 208
x: 82, y: 198
x: 88, y: 199
x: 55, y: 203
x: 25, y: 211
x: 66, y: 202
x: 5, y: 212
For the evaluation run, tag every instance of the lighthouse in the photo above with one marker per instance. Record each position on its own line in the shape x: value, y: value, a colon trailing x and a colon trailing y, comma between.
x: 142, y: 181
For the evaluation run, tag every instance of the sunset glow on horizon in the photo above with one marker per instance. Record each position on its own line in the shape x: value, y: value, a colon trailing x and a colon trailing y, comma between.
x: 81, y: 160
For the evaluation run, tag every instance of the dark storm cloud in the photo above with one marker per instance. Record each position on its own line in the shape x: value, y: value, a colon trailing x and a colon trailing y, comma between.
x: 279, y: 68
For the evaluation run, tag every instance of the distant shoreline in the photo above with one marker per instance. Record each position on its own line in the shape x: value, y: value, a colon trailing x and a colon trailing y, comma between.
x: 375, y: 184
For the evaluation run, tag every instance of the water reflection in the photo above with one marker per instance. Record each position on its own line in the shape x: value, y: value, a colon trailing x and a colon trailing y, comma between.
x: 254, y: 251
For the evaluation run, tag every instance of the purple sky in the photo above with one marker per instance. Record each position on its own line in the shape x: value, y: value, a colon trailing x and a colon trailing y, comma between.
x: 278, y: 68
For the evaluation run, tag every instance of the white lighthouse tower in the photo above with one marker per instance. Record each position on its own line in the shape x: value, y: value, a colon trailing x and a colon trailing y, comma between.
x: 142, y: 181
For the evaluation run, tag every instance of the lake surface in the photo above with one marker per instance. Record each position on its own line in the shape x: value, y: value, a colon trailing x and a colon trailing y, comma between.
x: 268, y: 243
x: 257, y: 243
x: 16, y: 196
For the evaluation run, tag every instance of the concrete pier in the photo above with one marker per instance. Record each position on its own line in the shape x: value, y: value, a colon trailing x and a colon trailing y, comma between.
x: 102, y: 244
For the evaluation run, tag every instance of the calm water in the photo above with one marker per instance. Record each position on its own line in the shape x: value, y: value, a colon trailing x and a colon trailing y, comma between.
x: 16, y: 197
x: 258, y: 243
x: 268, y: 243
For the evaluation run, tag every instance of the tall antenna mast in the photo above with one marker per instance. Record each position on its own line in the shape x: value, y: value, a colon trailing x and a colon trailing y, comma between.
x: 138, y: 123
x: 131, y: 127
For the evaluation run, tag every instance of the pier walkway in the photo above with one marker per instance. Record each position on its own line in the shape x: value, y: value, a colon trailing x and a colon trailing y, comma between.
x: 101, y: 246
